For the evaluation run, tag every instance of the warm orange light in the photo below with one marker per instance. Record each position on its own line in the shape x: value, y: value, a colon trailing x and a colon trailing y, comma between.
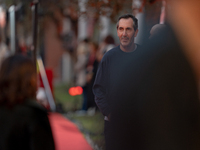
x: 73, y: 91
x: 79, y: 90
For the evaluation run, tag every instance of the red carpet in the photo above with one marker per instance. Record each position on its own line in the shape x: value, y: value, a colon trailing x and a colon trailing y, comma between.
x: 66, y: 134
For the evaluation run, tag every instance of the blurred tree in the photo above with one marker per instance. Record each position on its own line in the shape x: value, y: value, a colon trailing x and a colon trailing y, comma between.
x: 70, y: 8
x: 56, y: 10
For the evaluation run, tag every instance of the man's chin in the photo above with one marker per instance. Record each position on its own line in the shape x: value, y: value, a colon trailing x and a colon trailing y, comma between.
x: 124, y: 44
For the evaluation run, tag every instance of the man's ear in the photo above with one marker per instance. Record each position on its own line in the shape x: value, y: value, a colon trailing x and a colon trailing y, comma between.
x: 136, y: 32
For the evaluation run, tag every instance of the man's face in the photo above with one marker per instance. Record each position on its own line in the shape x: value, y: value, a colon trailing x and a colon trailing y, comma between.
x: 126, y: 33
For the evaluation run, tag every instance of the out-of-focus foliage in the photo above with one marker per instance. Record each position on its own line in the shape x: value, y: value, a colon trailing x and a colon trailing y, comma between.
x: 94, y: 8
x: 110, y: 8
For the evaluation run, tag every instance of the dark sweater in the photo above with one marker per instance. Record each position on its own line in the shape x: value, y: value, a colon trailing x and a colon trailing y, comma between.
x: 155, y: 100
x: 110, y: 66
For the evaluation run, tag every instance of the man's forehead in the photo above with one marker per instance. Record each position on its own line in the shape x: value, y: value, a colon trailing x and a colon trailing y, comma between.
x: 126, y: 21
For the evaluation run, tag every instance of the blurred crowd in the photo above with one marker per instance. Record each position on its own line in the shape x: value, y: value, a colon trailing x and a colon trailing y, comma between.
x: 89, y: 54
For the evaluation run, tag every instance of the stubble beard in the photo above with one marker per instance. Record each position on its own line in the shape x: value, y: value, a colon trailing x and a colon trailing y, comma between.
x: 127, y: 44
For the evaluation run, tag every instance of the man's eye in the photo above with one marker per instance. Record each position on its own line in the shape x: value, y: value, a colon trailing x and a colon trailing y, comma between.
x: 121, y: 29
x: 129, y: 30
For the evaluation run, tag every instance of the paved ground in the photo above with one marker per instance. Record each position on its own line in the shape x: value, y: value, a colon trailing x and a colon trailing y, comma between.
x: 66, y: 134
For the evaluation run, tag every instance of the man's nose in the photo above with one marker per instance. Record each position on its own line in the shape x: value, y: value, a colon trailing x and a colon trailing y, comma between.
x: 124, y: 33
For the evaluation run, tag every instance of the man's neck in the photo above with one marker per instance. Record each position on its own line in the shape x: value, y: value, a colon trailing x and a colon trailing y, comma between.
x: 128, y: 48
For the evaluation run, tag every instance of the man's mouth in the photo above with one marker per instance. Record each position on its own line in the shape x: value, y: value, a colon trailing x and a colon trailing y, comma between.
x: 124, y: 39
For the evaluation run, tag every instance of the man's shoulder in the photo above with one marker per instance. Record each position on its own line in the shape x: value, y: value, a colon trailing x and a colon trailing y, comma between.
x: 139, y: 46
x: 140, y: 49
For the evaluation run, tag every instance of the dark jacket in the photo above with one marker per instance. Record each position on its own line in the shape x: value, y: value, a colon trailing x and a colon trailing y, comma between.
x: 110, y: 67
x: 25, y: 127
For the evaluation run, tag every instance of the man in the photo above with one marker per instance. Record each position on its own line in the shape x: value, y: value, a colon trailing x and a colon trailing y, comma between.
x: 155, y: 102
x: 111, y: 65
x: 127, y: 29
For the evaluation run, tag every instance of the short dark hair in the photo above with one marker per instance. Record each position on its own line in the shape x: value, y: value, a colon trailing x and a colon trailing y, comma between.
x: 126, y: 16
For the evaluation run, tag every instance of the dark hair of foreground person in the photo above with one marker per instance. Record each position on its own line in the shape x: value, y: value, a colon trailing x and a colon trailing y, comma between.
x: 17, y: 80
x: 24, y: 123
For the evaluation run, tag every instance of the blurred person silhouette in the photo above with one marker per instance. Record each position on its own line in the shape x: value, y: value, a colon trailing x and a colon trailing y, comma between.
x: 156, y: 29
x: 91, y: 74
x: 156, y: 96
x: 4, y: 51
x: 24, y: 122
x: 177, y: 12
x: 22, y: 47
x: 93, y: 47
x: 110, y: 66
x: 107, y: 44
x: 81, y: 70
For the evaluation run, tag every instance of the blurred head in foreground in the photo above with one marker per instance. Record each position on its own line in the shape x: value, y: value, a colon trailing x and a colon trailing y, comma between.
x: 156, y: 29
x: 17, y: 80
